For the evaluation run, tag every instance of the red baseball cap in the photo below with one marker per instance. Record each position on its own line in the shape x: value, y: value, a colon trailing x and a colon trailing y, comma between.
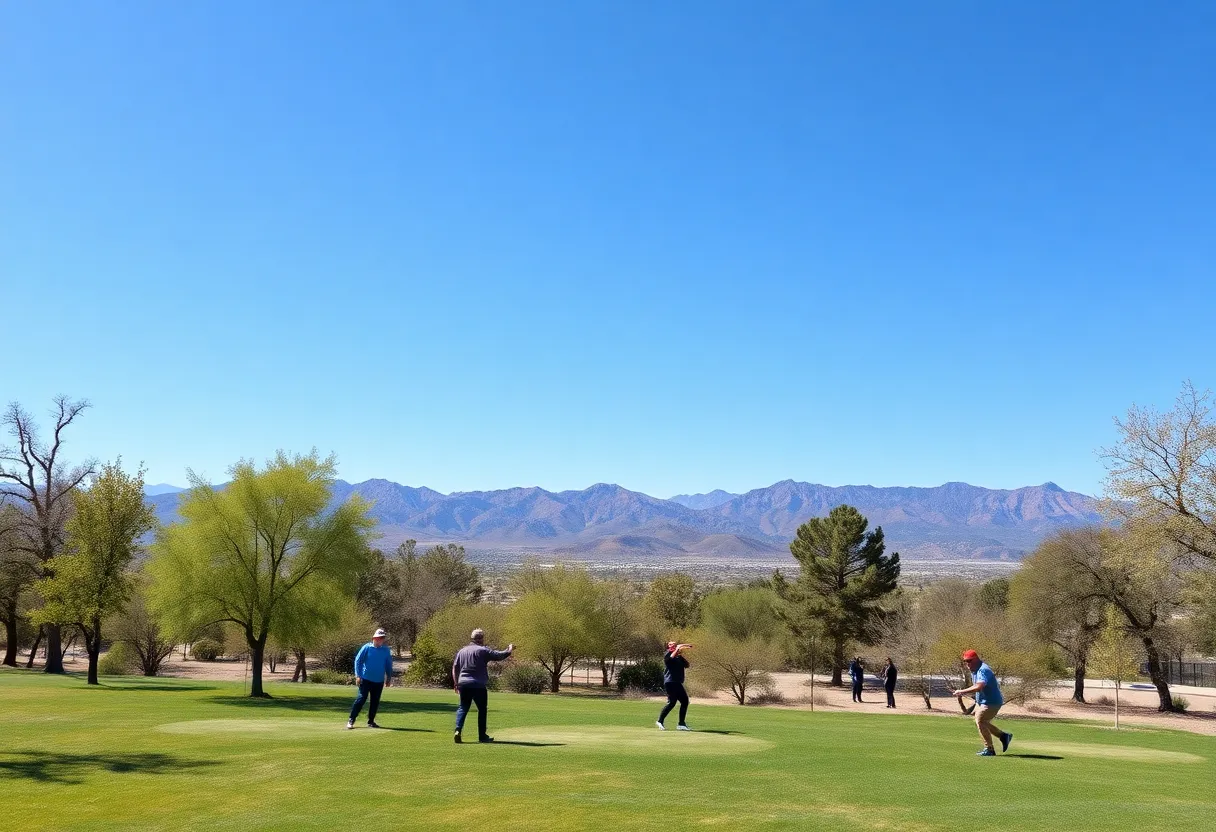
x: 968, y: 655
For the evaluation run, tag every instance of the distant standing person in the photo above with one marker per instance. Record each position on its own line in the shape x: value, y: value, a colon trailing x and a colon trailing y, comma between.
x: 373, y: 670
x: 673, y: 682
x: 471, y: 679
x: 889, y: 675
x: 988, y: 702
x: 856, y: 673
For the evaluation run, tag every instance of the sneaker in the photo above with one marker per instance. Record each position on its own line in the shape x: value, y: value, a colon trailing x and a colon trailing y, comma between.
x: 350, y: 723
x: 1006, y: 738
x: 985, y: 752
x: 456, y: 737
x: 485, y: 739
x: 372, y: 725
x: 683, y: 728
x: 660, y: 726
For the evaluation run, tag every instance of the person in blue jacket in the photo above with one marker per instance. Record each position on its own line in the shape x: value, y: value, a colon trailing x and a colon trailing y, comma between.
x: 857, y: 672
x: 373, y: 670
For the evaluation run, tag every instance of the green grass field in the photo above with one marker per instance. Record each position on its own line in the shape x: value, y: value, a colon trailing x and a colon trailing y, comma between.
x: 159, y: 754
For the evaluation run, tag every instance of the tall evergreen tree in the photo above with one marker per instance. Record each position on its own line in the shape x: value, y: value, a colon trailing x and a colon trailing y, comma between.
x: 844, y: 576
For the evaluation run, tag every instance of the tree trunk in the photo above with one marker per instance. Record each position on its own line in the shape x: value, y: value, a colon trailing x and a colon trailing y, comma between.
x: 54, y: 649
x: 1157, y: 673
x: 257, y: 653
x: 92, y: 644
x: 604, y: 673
x: 10, y: 638
x: 34, y: 650
x: 837, y: 663
x: 1078, y: 682
x: 555, y: 679
x: 301, y: 671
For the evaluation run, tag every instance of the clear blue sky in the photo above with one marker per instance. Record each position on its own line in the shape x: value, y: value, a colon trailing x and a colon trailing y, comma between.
x: 678, y: 246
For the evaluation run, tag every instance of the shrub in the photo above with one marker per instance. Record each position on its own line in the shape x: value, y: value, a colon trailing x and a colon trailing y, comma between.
x: 766, y: 694
x: 119, y: 660
x: 1104, y: 700
x: 1181, y: 703
x: 340, y: 657
x: 524, y: 678
x: 431, y: 666
x: 646, y: 675
x: 325, y: 676
x: 206, y: 650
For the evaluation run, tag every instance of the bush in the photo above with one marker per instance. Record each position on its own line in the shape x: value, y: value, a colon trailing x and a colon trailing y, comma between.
x: 340, y: 657
x: 646, y: 675
x: 325, y: 676
x: 1181, y: 703
x: 524, y: 678
x: 1103, y: 700
x: 431, y: 666
x: 206, y: 650
x: 119, y: 660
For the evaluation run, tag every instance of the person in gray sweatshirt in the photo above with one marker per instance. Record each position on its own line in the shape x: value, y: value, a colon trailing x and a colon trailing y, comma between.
x: 471, y: 679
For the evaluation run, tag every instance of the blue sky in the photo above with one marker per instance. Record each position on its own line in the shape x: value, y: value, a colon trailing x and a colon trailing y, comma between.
x: 675, y: 246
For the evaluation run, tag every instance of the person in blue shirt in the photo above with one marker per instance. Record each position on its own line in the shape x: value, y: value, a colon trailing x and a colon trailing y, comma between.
x: 988, y: 702
x: 471, y: 680
x: 373, y: 670
x: 673, y: 682
x: 857, y: 673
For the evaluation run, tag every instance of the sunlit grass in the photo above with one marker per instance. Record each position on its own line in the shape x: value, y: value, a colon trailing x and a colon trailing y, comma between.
x: 159, y: 754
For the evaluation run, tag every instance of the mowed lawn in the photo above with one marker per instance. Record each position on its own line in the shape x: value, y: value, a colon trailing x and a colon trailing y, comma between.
x: 160, y: 754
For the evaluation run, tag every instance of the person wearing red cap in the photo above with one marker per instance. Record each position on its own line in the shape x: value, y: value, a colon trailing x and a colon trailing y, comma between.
x: 988, y: 702
x: 673, y: 683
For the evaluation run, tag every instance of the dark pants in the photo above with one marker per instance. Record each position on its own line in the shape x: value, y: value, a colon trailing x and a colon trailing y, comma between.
x: 856, y: 690
x: 472, y: 695
x: 366, y: 688
x: 890, y: 696
x: 675, y: 693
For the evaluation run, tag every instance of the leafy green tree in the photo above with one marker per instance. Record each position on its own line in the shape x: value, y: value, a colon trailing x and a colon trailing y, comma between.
x: 1114, y: 655
x: 843, y: 580
x: 253, y: 553
x: 88, y: 579
x: 42, y: 483
x: 742, y: 614
x: 674, y: 601
x: 445, y: 633
x: 549, y: 624
x: 612, y: 625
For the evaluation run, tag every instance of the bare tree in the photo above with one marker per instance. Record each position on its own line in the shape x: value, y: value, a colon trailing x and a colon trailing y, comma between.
x: 1161, y: 475
x: 43, y: 484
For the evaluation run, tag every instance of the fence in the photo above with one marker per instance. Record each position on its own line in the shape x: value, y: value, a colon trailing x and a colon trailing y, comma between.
x: 1199, y: 674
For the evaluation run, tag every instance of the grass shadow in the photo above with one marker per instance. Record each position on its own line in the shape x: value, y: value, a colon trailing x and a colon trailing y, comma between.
x: 69, y: 769
x: 393, y: 728
x: 154, y: 686
x: 520, y: 742
x: 318, y: 704
x: 1034, y: 756
x: 715, y: 731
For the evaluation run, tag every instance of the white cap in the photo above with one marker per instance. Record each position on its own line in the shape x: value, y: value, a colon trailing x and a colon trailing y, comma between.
x: 380, y: 633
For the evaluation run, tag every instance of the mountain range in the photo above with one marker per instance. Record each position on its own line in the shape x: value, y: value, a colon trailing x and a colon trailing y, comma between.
x: 608, y: 522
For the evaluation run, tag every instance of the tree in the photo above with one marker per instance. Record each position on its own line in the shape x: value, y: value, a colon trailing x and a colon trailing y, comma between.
x: 18, y: 570
x: 612, y: 625
x: 1113, y: 655
x: 1161, y: 475
x: 43, y: 484
x: 1058, y: 603
x: 549, y: 623
x: 742, y: 614
x: 429, y: 582
x: 445, y: 633
x: 253, y: 553
x: 88, y: 578
x: 843, y: 578
x: 673, y: 600
x: 140, y: 630
x: 724, y: 662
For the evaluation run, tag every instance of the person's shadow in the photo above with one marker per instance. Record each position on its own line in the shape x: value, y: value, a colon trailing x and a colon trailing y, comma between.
x: 1034, y: 756
x: 521, y: 742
